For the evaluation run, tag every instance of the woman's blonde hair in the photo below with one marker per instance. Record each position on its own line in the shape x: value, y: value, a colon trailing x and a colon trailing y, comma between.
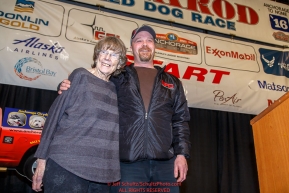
x: 111, y: 43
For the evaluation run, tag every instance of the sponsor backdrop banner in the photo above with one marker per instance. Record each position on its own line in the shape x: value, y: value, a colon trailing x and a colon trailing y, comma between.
x: 42, y: 42
x: 262, y: 20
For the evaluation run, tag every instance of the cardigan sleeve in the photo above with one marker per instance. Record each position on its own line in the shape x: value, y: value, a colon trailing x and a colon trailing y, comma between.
x: 55, y: 113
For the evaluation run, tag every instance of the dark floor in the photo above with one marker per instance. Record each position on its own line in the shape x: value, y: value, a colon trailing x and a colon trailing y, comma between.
x: 12, y: 182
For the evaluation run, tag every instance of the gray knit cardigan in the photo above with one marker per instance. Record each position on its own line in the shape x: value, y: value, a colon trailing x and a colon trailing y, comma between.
x: 81, y: 133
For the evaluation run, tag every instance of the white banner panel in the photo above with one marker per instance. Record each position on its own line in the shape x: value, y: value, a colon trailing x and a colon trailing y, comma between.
x: 42, y: 42
x: 46, y: 19
x: 181, y: 46
x: 231, y: 55
x: 261, y: 20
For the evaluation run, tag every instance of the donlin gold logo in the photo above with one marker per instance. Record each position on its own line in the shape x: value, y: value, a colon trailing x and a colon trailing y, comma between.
x: 24, y: 6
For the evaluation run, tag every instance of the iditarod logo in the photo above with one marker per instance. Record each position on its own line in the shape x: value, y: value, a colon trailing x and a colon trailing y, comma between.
x: 171, y: 42
x: 25, y: 68
x: 24, y: 6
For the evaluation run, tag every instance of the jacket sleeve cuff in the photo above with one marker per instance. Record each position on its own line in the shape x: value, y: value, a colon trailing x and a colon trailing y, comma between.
x: 185, y: 155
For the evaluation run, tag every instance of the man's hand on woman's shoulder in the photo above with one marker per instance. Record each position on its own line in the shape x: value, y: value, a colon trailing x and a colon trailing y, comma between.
x: 65, y: 84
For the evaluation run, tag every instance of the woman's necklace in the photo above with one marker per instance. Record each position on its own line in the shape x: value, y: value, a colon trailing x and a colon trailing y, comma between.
x: 96, y: 73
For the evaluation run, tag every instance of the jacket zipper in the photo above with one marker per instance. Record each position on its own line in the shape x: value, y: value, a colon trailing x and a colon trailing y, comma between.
x: 146, y: 113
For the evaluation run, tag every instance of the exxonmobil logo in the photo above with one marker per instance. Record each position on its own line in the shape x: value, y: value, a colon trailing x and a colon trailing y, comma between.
x: 230, y: 54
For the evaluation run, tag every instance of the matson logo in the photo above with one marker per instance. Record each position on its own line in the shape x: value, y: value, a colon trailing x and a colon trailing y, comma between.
x: 230, y: 54
x: 31, y: 69
x: 173, y: 43
x: 272, y: 86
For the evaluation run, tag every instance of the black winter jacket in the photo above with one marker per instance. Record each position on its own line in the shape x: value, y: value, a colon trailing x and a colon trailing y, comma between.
x: 160, y: 133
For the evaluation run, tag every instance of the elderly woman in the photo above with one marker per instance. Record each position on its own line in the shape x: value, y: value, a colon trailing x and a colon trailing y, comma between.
x: 79, y: 148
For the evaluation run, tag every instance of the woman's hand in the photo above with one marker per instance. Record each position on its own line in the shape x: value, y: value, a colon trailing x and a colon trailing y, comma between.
x: 38, y: 175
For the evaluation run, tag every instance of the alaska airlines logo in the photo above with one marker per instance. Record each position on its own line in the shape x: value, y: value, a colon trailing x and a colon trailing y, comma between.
x: 39, y: 48
x: 173, y: 43
x: 275, y: 62
x: 24, y: 6
x: 25, y: 68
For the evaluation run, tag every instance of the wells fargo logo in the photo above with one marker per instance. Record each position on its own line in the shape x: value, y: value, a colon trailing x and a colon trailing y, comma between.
x: 30, y: 69
x: 24, y: 6
x: 171, y: 42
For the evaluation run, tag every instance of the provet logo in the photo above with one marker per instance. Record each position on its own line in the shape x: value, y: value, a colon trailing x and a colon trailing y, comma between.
x: 24, y: 6
x: 31, y: 69
x: 173, y: 43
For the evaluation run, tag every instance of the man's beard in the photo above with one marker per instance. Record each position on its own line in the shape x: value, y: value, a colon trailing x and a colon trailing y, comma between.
x: 145, y: 56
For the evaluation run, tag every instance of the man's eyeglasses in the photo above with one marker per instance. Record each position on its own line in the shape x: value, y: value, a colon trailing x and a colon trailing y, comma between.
x: 112, y: 54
